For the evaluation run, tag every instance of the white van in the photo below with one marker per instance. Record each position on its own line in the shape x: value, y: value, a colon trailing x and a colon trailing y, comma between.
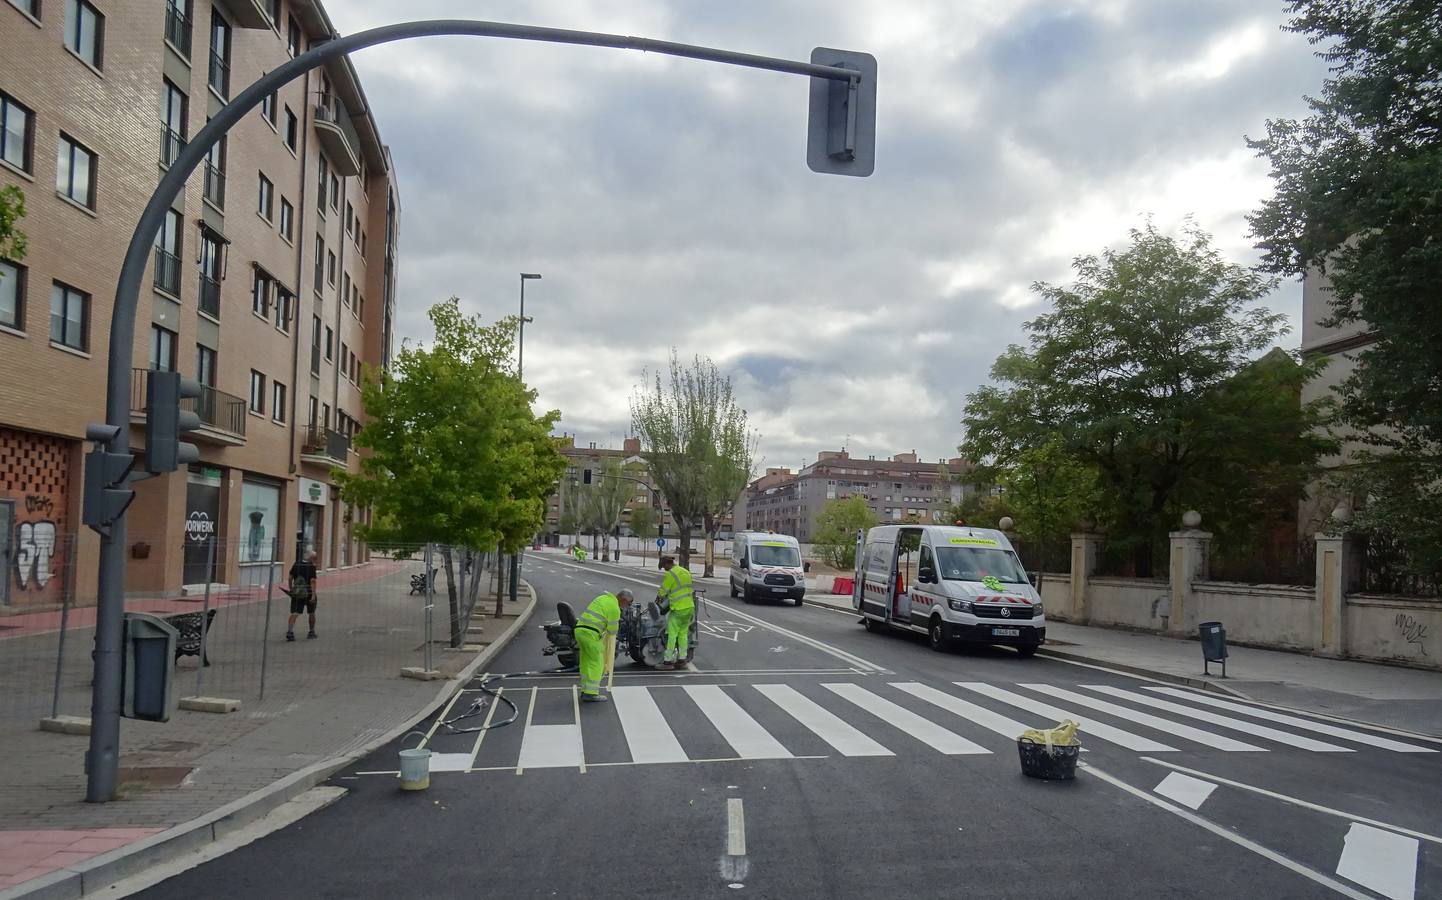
x: 952, y: 583
x: 767, y: 565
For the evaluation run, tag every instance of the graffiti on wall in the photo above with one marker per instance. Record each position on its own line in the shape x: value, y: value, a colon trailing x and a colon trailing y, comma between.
x: 35, y: 478
x: 34, y: 552
x: 1413, y: 631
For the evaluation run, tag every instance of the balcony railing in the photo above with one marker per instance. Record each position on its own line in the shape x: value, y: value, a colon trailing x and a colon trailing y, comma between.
x: 177, y: 29
x: 322, y: 442
x: 220, y: 75
x: 209, y: 296
x: 167, y: 272
x: 171, y: 143
x: 217, y: 410
x: 214, y: 185
x: 338, y: 136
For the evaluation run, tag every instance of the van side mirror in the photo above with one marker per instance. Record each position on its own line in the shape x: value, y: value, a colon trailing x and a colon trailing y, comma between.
x: 745, y: 564
x: 926, y: 575
x: 1034, y: 578
x: 806, y: 566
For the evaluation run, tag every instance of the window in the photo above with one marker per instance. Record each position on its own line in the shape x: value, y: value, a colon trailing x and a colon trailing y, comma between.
x: 345, y: 359
x: 260, y: 294
x: 219, y: 54
x: 12, y: 295
x: 177, y: 25
x: 29, y: 7
x: 313, y: 411
x: 167, y: 254
x: 205, y: 365
x: 172, y: 121
x: 84, y: 31
x: 17, y: 125
x: 319, y: 262
x: 210, y: 267
x: 284, y: 305
x: 277, y: 402
x: 334, y: 192
x: 273, y: 10
x: 315, y: 349
x: 75, y: 172
x: 287, y: 219
x: 363, y: 243
x: 257, y: 392
x: 162, y: 349
x: 268, y: 109
x: 360, y: 306
x: 265, y: 202
x: 345, y: 289
x: 321, y: 176
x: 329, y: 344
x: 330, y: 267
x: 292, y: 41
x: 349, y: 218
x: 325, y: 415
x: 292, y: 129
x: 69, y: 317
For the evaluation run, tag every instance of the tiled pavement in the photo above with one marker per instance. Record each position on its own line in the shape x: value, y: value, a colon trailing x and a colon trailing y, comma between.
x: 29, y: 854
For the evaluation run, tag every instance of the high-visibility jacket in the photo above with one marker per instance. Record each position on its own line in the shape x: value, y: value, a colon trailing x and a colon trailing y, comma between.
x: 676, y: 588
x: 603, y: 615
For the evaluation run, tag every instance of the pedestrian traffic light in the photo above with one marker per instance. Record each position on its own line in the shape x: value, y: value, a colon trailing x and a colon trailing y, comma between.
x: 841, y: 125
x: 586, y: 476
x: 165, y: 422
x: 107, y: 491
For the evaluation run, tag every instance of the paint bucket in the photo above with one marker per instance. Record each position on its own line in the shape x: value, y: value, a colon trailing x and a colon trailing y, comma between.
x: 415, y: 766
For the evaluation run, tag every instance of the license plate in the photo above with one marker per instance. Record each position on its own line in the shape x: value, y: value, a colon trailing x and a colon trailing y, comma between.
x: 1006, y: 632
x: 778, y: 590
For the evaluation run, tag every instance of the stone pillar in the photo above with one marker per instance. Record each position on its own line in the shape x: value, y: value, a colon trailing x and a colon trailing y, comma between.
x: 1190, y: 549
x: 1085, y: 548
x: 1339, y: 572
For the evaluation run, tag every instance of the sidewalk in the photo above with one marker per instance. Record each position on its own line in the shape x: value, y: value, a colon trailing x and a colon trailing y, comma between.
x: 327, y: 701
x: 1391, y: 696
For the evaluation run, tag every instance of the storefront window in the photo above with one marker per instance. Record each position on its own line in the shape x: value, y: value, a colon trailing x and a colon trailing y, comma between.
x: 259, y: 515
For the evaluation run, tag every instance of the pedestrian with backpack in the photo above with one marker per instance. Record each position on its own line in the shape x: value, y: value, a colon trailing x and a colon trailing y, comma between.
x: 302, y: 595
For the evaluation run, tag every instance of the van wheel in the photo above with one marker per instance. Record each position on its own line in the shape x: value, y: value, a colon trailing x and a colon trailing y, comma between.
x: 746, y: 593
x: 874, y: 626
x: 800, y: 600
x: 1027, y: 651
x: 733, y: 590
x: 939, y: 639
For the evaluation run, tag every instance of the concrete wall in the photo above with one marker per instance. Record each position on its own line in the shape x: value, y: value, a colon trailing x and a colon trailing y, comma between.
x: 1272, y: 615
x: 1056, y: 596
x: 1394, y: 629
x: 1130, y: 602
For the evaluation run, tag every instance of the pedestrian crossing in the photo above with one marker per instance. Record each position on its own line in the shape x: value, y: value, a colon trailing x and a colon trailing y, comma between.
x: 659, y: 724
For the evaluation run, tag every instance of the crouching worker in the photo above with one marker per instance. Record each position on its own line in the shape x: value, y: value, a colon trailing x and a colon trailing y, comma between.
x: 602, y: 619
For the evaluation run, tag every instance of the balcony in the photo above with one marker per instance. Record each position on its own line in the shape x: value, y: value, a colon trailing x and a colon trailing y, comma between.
x: 338, y: 137
x: 220, y: 75
x: 222, y: 415
x: 210, y: 297
x: 247, y: 13
x: 214, y: 185
x: 171, y: 143
x: 167, y: 272
x: 324, y: 447
x: 177, y: 29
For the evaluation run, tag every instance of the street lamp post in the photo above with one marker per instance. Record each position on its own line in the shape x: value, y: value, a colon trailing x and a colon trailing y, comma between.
x: 520, y: 374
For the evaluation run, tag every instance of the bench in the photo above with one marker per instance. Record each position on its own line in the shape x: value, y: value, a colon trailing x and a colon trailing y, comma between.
x: 188, y: 642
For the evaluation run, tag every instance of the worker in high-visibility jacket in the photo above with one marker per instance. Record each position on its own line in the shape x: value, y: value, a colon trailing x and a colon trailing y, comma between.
x: 676, y: 593
x: 594, y: 627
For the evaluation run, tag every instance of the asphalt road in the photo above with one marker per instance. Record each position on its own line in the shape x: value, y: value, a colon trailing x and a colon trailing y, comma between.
x: 807, y: 758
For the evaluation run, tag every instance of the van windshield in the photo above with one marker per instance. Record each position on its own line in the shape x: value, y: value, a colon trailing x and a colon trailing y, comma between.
x: 975, y: 564
x: 775, y: 555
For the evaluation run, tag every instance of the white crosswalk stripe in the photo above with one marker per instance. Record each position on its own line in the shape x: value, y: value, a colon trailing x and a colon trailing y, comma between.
x: 1206, y: 738
x: 1348, y: 734
x: 648, y: 736
x: 743, y: 733
x: 1088, y: 725
x: 1284, y: 737
x: 825, y: 724
x: 1009, y: 728
x: 899, y: 717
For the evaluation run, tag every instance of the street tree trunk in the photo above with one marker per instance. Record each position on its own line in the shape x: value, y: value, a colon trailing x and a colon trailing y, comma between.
x: 683, y: 552
x: 500, y: 575
x: 710, y: 526
x: 451, y: 596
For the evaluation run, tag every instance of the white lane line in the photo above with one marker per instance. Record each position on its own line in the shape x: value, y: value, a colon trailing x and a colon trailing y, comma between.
x: 485, y: 727
x: 445, y: 714
x: 1219, y: 831
x: 1284, y: 737
x: 735, y: 827
x: 450, y: 762
x: 550, y: 747
x: 743, y: 733
x: 576, y: 713
x: 648, y: 736
x: 848, y: 658
x: 903, y: 719
x: 1089, y: 726
x: 1295, y: 801
x: 1380, y: 861
x: 1166, y: 726
x: 1184, y: 789
x: 823, y: 723
x: 1347, y: 734
x: 530, y: 711
x: 980, y: 715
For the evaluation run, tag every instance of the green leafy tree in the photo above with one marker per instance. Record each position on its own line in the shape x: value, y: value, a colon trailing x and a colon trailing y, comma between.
x: 456, y: 454
x: 643, y: 522
x: 12, y: 210
x: 836, y: 525
x: 602, y: 501
x: 1356, y: 201
x: 1143, y: 372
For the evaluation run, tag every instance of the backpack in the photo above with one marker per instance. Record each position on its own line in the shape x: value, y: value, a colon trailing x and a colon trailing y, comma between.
x: 300, y: 586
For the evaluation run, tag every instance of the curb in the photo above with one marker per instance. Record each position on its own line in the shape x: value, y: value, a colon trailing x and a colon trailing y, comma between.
x: 1170, y: 677
x: 99, y: 872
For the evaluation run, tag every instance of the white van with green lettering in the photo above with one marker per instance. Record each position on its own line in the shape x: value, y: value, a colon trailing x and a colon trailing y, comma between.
x: 953, y: 584
x: 767, y: 565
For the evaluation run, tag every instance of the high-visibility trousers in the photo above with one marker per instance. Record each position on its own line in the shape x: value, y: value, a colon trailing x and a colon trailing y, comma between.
x: 593, y: 659
x: 678, y: 633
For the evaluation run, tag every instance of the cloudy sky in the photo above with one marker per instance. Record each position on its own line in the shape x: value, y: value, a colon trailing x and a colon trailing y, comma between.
x: 667, y: 202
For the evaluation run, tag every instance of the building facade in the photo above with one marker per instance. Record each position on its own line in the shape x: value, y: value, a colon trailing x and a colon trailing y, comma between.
x: 271, y: 283
x: 898, y: 489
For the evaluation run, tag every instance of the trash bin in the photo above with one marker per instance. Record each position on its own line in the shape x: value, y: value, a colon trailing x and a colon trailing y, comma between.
x: 1214, y: 646
x: 148, y: 667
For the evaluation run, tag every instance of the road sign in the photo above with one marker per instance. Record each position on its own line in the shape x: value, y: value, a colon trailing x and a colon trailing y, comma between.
x: 660, y: 543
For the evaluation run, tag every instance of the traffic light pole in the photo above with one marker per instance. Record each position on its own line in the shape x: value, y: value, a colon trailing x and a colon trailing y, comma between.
x: 841, y: 140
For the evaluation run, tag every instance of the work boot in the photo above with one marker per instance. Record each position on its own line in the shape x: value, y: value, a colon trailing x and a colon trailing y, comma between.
x: 311, y: 636
x: 666, y: 666
x: 290, y: 635
x: 594, y: 698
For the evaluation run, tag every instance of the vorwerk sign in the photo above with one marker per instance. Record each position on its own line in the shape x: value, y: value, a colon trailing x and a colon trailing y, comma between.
x: 198, y: 527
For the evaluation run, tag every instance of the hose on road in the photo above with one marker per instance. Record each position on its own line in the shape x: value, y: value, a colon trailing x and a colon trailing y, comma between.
x: 479, y: 705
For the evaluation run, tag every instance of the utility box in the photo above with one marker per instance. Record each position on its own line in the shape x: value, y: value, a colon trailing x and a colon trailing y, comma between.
x: 149, y: 667
x: 1214, y: 646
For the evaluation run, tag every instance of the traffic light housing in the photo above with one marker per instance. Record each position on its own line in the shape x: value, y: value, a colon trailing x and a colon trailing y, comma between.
x: 166, y: 422
x: 107, y: 492
x: 841, y: 124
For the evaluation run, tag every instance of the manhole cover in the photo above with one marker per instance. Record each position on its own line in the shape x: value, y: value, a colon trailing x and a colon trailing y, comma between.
x: 172, y: 746
x: 153, y: 776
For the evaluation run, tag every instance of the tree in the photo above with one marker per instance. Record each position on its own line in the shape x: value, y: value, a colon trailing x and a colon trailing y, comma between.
x: 697, y: 444
x: 602, y: 501
x: 1143, y: 373
x: 457, y: 455
x: 643, y: 522
x: 12, y: 210
x: 836, y: 525
x: 1356, y: 202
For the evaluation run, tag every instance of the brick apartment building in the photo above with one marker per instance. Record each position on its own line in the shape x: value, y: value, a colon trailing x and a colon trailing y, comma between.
x: 272, y: 284
x: 897, y: 489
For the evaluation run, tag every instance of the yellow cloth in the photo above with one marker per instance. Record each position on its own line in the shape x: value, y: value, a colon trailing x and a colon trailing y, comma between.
x: 1063, y: 735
